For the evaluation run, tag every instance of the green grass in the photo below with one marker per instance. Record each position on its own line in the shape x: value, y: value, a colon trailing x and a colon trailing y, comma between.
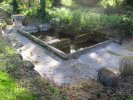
x: 9, y: 89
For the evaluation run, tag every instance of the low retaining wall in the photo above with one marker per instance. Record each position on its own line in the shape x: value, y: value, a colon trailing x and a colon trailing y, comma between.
x: 60, y: 53
x: 62, y: 44
x: 43, y: 44
x: 89, y: 49
x: 82, y: 38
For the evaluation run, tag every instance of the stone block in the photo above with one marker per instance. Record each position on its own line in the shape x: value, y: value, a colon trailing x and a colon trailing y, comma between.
x: 44, y: 27
x: 126, y: 66
x: 107, y: 77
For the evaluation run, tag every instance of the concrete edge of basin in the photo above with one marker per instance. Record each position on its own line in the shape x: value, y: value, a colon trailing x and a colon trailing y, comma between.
x: 43, y: 44
x: 91, y: 48
x: 60, y: 53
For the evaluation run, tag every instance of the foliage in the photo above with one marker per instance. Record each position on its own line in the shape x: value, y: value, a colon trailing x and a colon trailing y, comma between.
x: 84, y: 18
x: 3, y: 24
x: 127, y: 25
x: 29, y: 12
x: 6, y: 7
x: 111, y: 3
x: 43, y: 7
x: 68, y: 2
x: 15, y: 6
x: 129, y: 2
x: 56, y: 3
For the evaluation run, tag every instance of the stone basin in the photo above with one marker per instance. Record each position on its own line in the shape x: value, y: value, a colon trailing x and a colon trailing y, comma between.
x: 18, y: 18
x: 64, y: 48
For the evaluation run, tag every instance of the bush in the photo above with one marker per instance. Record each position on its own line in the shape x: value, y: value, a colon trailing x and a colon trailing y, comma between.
x: 30, y: 12
x: 6, y: 7
x: 4, y: 25
x: 80, y: 19
x: 68, y: 2
x: 56, y: 3
x: 15, y: 6
x: 127, y: 25
x: 111, y: 3
x: 129, y: 2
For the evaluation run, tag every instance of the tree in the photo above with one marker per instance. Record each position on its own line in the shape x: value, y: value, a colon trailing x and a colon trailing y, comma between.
x: 15, y: 6
x: 56, y: 3
x: 129, y: 2
x: 43, y: 7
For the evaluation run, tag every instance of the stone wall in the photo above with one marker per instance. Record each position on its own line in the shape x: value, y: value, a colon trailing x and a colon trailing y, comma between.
x: 82, y: 38
x: 62, y: 43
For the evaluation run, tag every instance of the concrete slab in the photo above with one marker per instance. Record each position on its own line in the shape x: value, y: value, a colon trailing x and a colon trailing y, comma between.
x: 73, y: 70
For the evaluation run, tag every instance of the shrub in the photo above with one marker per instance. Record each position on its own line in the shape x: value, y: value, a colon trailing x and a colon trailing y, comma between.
x: 77, y: 20
x: 4, y: 25
x: 111, y: 3
x: 129, y: 2
x: 6, y: 7
x: 30, y: 12
x: 56, y: 3
x: 68, y: 2
x: 126, y: 25
x: 15, y: 6
x: 43, y: 6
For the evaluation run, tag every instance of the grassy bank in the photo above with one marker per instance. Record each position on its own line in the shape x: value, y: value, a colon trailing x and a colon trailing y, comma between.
x: 9, y: 88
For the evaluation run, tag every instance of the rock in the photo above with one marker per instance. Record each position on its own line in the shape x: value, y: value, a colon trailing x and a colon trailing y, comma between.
x: 18, y: 57
x: 28, y: 64
x: 30, y: 29
x: 45, y: 27
x: 107, y: 77
x: 126, y: 66
x: 17, y: 45
x: 9, y: 22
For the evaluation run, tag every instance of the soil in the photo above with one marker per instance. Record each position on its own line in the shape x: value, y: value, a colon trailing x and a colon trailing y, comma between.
x: 86, y: 90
